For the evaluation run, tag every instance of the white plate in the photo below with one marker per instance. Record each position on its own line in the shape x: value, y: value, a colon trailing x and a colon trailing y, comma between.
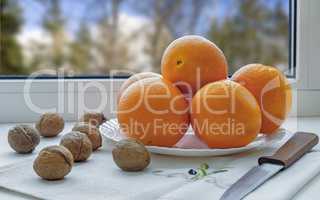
x: 111, y: 132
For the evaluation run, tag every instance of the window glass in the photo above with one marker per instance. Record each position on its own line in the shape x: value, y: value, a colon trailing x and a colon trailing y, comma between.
x: 96, y: 37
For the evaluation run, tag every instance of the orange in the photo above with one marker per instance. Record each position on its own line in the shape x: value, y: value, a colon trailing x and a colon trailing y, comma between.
x: 272, y: 91
x: 133, y: 79
x: 225, y: 114
x: 190, y: 62
x: 153, y: 111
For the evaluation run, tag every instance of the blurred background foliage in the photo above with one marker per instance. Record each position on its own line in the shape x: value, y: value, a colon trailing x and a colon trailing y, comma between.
x: 95, y: 37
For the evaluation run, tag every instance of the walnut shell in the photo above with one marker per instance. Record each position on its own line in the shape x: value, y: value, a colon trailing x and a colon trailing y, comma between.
x: 53, y: 162
x: 23, y: 138
x: 92, y: 132
x: 78, y: 144
x: 131, y: 155
x: 93, y: 118
x: 50, y: 124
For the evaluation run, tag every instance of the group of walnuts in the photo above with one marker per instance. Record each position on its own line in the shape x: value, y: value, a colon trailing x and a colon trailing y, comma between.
x: 54, y: 162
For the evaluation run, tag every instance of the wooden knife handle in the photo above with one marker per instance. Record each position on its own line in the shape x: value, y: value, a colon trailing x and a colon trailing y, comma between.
x: 292, y: 150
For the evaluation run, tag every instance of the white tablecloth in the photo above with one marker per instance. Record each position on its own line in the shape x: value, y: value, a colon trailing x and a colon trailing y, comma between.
x: 166, y: 178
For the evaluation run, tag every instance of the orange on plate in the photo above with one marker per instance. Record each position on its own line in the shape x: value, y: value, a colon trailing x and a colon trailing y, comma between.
x: 136, y: 77
x: 190, y: 62
x: 154, y: 111
x: 225, y: 114
x: 272, y: 91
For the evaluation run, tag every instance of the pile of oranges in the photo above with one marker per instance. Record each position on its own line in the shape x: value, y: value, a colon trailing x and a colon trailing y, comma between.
x: 194, y: 88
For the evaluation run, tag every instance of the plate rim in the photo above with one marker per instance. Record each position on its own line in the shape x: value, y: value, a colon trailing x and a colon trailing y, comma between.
x: 260, y: 141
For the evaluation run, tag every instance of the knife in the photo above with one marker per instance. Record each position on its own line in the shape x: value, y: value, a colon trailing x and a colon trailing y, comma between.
x: 298, y: 145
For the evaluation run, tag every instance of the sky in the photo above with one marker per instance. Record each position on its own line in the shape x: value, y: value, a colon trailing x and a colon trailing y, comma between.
x: 75, y: 10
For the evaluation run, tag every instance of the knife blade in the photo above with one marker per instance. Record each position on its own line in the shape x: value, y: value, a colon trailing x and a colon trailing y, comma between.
x: 298, y: 145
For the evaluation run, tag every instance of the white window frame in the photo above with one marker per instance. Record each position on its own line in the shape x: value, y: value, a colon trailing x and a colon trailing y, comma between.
x: 307, y: 81
x: 20, y: 100
x: 52, y: 92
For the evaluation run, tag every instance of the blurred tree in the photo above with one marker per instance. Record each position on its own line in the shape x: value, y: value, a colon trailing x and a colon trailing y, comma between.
x: 158, y: 35
x: 39, y: 55
x: 197, y: 8
x: 11, y: 57
x: 80, y: 49
x: 237, y: 35
x: 54, y: 22
x: 281, y: 33
x: 168, y: 20
x: 253, y: 34
x: 187, y: 18
x: 280, y: 19
x: 113, y: 50
x: 111, y: 44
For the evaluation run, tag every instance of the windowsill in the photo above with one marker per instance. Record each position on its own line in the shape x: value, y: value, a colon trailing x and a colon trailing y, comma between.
x: 51, y: 94
x: 59, y: 85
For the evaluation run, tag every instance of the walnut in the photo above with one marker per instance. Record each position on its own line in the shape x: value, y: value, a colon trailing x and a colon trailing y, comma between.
x: 50, y: 124
x: 78, y: 144
x: 23, y: 138
x: 131, y: 155
x: 93, y: 118
x: 53, y: 163
x: 92, y: 132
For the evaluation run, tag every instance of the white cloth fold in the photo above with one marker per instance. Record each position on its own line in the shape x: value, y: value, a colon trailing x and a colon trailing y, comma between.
x: 166, y: 179
x: 283, y: 186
